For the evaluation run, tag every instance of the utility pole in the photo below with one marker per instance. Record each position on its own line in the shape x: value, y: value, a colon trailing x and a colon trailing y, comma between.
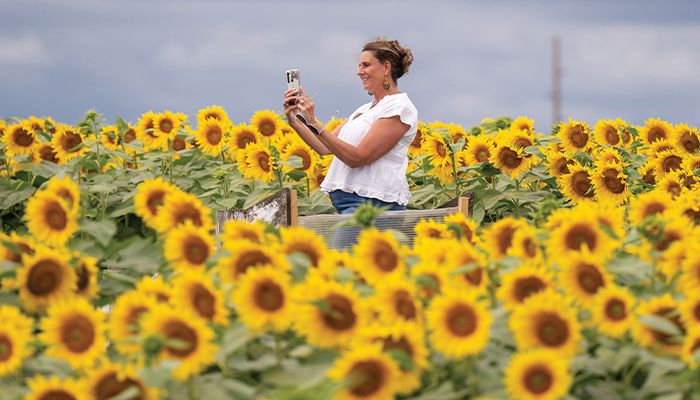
x: 556, y: 80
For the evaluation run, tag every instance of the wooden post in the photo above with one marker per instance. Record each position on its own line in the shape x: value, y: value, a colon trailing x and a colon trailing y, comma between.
x: 293, y: 209
x: 463, y: 205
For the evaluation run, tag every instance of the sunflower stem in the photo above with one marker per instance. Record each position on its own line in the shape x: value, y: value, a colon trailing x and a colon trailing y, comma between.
x: 454, y: 173
x: 190, y: 389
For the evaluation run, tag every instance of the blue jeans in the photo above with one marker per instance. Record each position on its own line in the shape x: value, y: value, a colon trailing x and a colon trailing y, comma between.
x: 347, y: 203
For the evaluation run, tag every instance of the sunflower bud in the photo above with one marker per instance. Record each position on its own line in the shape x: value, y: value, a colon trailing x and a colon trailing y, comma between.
x: 152, y: 345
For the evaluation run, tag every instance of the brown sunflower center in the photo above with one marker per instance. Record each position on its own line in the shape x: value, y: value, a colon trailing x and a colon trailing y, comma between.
x: 203, y: 301
x: 5, y: 348
x: 482, y: 154
x: 83, y: 277
x: 529, y: 247
x: 522, y: 142
x: 474, y: 277
x: 690, y: 142
x: 384, y: 257
x: 551, y: 329
x: 653, y: 208
x: 403, y: 304
x: 389, y: 343
x: 132, y: 318
x: 154, y: 200
x: 244, y: 138
x: 21, y: 137
x: 57, y: 394
x: 527, y: 286
x: 47, y: 153
x: 129, y: 136
x: 649, y: 177
x: 431, y: 290
x: 578, y: 136
x: 181, y: 332
x: 307, y: 250
x: 78, y: 333
x: 656, y: 133
x: 212, y: 115
x: 538, y: 379
x: 562, y: 165
x: 110, y: 386
x: 675, y: 319
x: 179, y: 143
x: 214, y: 135
x: 504, y: 238
x: 578, y: 235
x: 55, y: 216
x: 615, y: 309
x: 612, y: 181
x: 249, y: 259
x: 166, y: 125
x: 188, y: 212
x: 440, y: 149
x: 668, y: 238
x: 66, y: 195
x: 693, y: 215
x: 589, y: 278
x: 581, y: 183
x: 196, y: 250
x: 671, y: 162
x: 264, y: 161
x: 461, y: 320
x: 268, y: 295
x: 267, y: 127
x: 305, y: 159
x: 341, y: 316
x: 417, y: 140
x: 44, y: 278
x: 70, y: 140
x: 368, y: 378
x: 509, y: 158
x: 611, y: 136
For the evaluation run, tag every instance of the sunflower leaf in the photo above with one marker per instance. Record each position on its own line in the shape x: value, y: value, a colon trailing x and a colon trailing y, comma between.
x: 427, y: 281
x: 402, y: 358
x: 468, y: 267
x: 326, y: 309
x: 605, y: 228
x: 131, y: 392
x: 296, y: 175
x: 661, y: 324
x: 102, y: 230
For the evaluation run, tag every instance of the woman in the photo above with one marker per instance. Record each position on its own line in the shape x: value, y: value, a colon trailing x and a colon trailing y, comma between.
x: 370, y: 148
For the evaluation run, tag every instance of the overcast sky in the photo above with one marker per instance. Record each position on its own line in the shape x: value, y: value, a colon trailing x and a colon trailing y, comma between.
x: 473, y: 59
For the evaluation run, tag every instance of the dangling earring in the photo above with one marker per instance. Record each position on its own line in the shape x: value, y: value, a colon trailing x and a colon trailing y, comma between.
x: 386, y: 84
x: 370, y: 93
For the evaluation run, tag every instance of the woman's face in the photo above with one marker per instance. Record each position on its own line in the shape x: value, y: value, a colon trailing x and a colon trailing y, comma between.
x: 371, y: 72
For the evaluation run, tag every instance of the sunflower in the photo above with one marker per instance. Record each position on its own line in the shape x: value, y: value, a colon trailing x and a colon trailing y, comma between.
x: 510, y: 159
x: 241, y: 136
x: 610, y: 182
x: 235, y: 230
x: 396, y: 299
x: 19, y: 139
x: 15, y: 334
x: 431, y: 278
x: 263, y: 300
x: 525, y: 245
x: 667, y: 161
x: 68, y: 143
x: 86, y: 274
x: 435, y: 147
x: 686, y: 139
x: 672, y: 183
x: 647, y: 204
x: 195, y: 291
x: 179, y: 207
x: 111, y: 380
x: 267, y: 123
x: 464, y: 225
x: 329, y: 314
x: 579, y: 236
x: 459, y: 324
x: 691, y: 344
x: 545, y: 320
x: 53, y: 388
x: 521, y: 123
x: 50, y: 219
x: 689, y: 309
x: 45, y: 152
x: 185, y: 338
x: 582, y: 278
x: 655, y: 129
x: 407, y: 339
x: 606, y: 155
x: 166, y: 126
x: 66, y: 189
x: 145, y: 131
x: 574, y: 136
x: 415, y: 149
x: 687, y: 205
x: 538, y: 374
x: 44, y: 278
x: 256, y: 162
x: 577, y: 185
x: 188, y: 247
x: 150, y: 196
x: 303, y: 151
x: 467, y: 268
x: 123, y: 323
x: 74, y: 332
x: 24, y: 245
x: 156, y: 288
x: 665, y: 307
x: 213, y: 112
x: 210, y: 136
x: 558, y: 162
x: 302, y: 240
x: 365, y: 372
x: 498, y: 238
x: 378, y: 255
x: 606, y: 132
x: 689, y: 278
x: 658, y: 147
x: 612, y: 310
x: 521, y: 283
x: 245, y: 255
x: 428, y: 228
x: 479, y: 149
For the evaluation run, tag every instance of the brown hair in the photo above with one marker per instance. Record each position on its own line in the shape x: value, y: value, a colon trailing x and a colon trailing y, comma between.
x: 385, y: 50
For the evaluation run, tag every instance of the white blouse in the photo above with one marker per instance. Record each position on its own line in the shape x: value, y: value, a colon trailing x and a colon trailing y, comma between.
x: 385, y: 178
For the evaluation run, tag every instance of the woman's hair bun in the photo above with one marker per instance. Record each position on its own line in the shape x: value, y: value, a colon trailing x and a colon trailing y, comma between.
x: 398, y: 56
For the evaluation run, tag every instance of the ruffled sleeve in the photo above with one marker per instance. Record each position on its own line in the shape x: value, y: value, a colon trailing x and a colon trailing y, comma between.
x: 401, y: 106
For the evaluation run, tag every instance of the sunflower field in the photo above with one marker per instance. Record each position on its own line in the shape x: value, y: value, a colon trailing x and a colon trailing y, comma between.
x: 575, y: 277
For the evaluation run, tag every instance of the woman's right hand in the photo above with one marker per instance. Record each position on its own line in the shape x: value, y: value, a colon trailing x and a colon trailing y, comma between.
x: 290, y: 103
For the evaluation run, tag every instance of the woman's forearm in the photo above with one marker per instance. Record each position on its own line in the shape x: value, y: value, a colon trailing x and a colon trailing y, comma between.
x: 346, y: 152
x: 307, y: 136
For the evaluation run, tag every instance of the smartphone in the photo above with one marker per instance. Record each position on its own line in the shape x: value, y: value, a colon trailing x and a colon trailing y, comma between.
x: 293, y: 80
